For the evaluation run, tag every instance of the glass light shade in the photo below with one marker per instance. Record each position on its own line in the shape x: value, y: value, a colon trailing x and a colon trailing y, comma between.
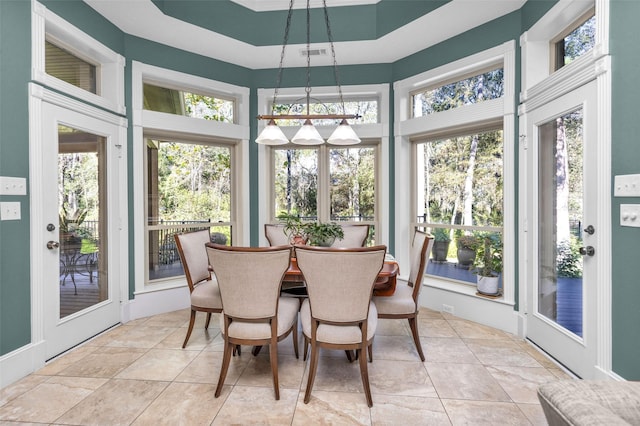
x: 343, y: 135
x: 272, y: 135
x: 307, y: 135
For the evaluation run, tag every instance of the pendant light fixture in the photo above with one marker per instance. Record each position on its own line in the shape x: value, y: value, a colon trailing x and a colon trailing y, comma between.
x: 308, y: 134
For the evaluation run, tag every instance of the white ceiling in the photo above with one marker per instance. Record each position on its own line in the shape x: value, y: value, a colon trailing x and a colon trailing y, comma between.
x: 143, y: 19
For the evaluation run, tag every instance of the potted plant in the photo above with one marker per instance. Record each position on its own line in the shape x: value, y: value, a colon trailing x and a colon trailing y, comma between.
x: 293, y: 228
x: 441, y: 243
x: 489, y: 265
x: 466, y: 250
x: 323, y: 234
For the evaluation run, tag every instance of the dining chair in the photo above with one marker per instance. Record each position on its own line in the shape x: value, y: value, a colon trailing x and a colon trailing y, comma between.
x: 274, y: 232
x: 354, y: 236
x: 404, y: 301
x: 339, y: 314
x: 253, y: 311
x: 204, y: 292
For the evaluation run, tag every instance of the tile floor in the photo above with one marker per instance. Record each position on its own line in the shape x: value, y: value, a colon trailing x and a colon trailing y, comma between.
x: 138, y: 374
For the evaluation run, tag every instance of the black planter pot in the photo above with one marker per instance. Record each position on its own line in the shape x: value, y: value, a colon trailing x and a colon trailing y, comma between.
x: 466, y: 257
x: 439, y: 251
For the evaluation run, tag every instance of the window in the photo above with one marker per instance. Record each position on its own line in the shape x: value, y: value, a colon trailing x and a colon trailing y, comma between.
x: 188, y: 188
x: 68, y: 61
x: 68, y: 67
x: 194, y: 105
x: 472, y: 90
x: 367, y: 109
x: 460, y: 183
x: 350, y: 185
x: 580, y: 40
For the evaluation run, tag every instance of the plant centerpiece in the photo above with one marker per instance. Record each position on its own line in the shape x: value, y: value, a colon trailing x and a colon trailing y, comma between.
x: 323, y: 234
x: 294, y: 228
x: 466, y: 250
x: 489, y: 264
x: 441, y: 243
x: 69, y: 225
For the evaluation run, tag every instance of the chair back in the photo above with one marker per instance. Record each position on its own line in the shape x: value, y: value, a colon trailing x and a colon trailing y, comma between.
x: 194, y: 256
x: 418, y: 256
x: 249, y: 278
x: 275, y: 234
x: 354, y: 236
x: 340, y: 281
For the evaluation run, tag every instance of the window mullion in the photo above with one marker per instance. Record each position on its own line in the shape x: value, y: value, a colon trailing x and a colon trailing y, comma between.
x: 324, y: 204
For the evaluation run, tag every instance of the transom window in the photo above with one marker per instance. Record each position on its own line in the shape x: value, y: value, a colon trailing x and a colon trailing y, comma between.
x: 195, y: 105
x: 477, y: 88
x: 366, y: 108
x: 66, y: 66
x: 579, y: 40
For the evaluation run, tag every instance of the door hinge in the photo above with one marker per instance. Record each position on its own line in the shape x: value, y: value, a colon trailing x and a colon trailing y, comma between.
x: 523, y: 141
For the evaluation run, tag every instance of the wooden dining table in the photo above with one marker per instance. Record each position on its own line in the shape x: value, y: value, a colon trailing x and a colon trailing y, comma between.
x: 385, y: 284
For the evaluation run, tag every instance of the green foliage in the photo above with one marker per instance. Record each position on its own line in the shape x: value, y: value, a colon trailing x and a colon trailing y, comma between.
x: 569, y: 259
x: 467, y: 241
x: 322, y: 234
x: 440, y: 234
x: 489, y: 254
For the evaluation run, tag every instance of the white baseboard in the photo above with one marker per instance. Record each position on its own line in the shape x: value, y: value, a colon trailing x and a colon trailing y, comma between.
x: 20, y: 363
x: 156, y: 302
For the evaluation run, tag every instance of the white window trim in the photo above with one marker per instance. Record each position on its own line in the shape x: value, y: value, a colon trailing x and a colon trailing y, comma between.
x: 539, y: 85
x: 373, y: 131
x: 110, y: 65
x: 408, y: 128
x: 144, y: 120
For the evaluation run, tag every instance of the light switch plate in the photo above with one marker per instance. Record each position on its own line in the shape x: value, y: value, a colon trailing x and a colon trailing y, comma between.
x: 13, y: 185
x: 630, y: 215
x: 626, y: 186
x: 10, y: 210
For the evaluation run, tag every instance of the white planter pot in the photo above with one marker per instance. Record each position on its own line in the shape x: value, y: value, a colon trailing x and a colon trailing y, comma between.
x: 488, y: 285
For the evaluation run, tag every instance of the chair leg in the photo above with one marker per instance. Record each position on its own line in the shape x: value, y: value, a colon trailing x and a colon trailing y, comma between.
x: 313, y: 366
x: 295, y: 339
x: 370, y: 350
x: 365, y: 378
x: 192, y: 320
x: 350, y: 355
x: 206, y: 324
x: 306, y: 348
x: 273, y: 355
x: 226, y: 358
x: 413, y: 324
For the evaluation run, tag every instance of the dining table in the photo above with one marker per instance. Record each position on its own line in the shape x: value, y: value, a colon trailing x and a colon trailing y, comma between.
x: 385, y: 284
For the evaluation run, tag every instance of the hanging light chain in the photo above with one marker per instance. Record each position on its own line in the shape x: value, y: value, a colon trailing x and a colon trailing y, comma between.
x: 333, y: 54
x: 308, y: 88
x: 281, y: 65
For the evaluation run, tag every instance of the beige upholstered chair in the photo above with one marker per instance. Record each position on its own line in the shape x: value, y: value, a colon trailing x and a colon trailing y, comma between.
x: 339, y: 313
x: 404, y: 301
x: 205, y: 294
x: 354, y: 236
x: 254, y: 313
x: 275, y: 234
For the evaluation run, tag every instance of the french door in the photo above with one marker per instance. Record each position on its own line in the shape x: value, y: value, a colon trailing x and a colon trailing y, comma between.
x: 75, y: 227
x: 563, y: 229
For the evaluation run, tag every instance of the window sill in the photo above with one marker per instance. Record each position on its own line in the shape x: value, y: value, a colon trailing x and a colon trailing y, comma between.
x: 459, y: 288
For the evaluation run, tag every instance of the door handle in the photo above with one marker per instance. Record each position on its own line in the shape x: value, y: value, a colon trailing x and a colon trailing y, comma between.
x: 53, y: 245
x: 587, y: 251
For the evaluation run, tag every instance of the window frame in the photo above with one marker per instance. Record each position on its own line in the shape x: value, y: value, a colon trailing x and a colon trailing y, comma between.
x: 180, y: 128
x: 553, y: 43
x: 466, y: 119
x: 371, y: 134
x: 47, y: 26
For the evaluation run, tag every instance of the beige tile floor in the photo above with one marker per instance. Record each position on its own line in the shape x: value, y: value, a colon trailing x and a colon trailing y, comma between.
x: 138, y: 374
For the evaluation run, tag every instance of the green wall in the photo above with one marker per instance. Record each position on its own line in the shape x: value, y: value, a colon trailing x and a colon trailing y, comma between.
x: 625, y: 128
x: 15, y: 71
x: 14, y: 155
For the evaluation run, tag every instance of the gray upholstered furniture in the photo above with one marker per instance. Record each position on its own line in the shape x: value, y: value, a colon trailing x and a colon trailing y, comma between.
x: 590, y: 402
x: 403, y: 304
x: 354, y: 236
x: 253, y: 311
x: 275, y: 234
x: 205, y: 294
x: 339, y: 313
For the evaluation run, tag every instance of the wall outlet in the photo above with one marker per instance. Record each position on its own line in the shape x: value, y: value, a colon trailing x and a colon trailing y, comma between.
x: 13, y: 186
x: 10, y: 210
x: 447, y: 308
